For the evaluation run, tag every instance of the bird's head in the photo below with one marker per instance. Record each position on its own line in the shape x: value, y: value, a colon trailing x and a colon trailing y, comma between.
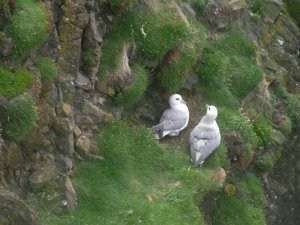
x: 211, y: 112
x: 176, y: 100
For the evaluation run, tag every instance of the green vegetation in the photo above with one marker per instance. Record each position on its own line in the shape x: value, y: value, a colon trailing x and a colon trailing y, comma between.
x: 200, y: 3
x: 14, y: 84
x: 258, y: 6
x: 29, y: 26
x: 218, y: 159
x: 20, y: 117
x: 135, y: 92
x: 46, y: 67
x: 266, y: 162
x: 293, y: 7
x: 233, y: 124
x: 139, y: 182
x: 262, y: 129
x: 87, y: 57
x: 172, y: 76
x: 121, y: 3
x: 245, y: 207
x: 162, y: 35
x: 228, y: 71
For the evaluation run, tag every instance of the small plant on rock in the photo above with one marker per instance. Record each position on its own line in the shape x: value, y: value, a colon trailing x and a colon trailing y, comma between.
x: 46, y: 67
x: 20, y: 117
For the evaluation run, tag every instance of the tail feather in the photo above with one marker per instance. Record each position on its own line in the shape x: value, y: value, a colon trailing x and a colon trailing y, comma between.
x: 158, y: 130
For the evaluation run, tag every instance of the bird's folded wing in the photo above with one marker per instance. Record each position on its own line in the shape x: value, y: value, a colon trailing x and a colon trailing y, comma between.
x: 204, y: 133
x: 173, y: 119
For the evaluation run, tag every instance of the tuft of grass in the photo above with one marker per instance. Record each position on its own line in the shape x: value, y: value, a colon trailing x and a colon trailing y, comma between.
x: 200, y: 3
x: 28, y: 28
x: 121, y: 3
x: 228, y: 71
x: 245, y: 206
x: 135, y: 92
x: 47, y: 68
x: 138, y: 182
x: 14, y: 84
x: 257, y: 7
x: 20, y: 117
x: 266, y: 162
x: 263, y: 129
x: 236, y: 43
x: 245, y: 75
x: 164, y: 30
x: 172, y: 76
x: 234, y: 124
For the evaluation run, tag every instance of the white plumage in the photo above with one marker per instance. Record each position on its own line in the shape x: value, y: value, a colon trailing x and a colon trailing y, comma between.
x: 205, y: 137
x: 174, y: 119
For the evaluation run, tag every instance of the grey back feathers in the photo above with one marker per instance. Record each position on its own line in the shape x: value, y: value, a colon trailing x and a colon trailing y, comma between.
x: 205, y: 137
x: 174, y: 119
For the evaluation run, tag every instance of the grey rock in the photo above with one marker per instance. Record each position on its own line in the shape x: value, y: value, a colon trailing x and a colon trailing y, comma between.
x: 14, y: 211
x: 83, y: 82
x: 272, y: 9
x: 5, y: 44
x: 90, y: 109
x: 82, y: 145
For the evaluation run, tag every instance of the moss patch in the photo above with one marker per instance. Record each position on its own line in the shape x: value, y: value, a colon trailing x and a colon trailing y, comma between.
x: 14, y: 84
x: 245, y: 207
x: 21, y: 115
x: 29, y: 26
x: 135, y: 92
x: 46, y: 67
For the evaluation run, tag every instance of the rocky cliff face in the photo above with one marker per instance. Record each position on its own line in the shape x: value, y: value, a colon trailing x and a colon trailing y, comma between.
x: 73, y: 106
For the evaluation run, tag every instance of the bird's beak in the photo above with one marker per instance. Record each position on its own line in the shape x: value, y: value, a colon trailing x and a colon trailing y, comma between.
x: 182, y: 101
x: 206, y: 106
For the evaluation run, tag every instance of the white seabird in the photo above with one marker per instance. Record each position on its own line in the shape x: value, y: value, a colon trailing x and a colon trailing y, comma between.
x: 174, y: 119
x: 205, y: 137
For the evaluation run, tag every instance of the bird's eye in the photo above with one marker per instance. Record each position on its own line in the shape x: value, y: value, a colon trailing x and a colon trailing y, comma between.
x: 177, y: 99
x: 209, y: 108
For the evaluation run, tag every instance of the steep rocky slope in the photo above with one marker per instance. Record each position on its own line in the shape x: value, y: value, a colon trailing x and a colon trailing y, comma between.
x: 70, y: 67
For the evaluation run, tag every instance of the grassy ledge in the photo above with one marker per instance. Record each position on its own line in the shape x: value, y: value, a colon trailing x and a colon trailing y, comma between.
x: 47, y: 68
x: 138, y: 182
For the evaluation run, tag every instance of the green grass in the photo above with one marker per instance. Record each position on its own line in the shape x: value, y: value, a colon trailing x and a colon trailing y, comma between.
x: 258, y: 6
x: 155, y: 33
x: 234, y: 124
x: 20, y: 117
x: 245, y: 207
x: 263, y: 129
x: 28, y: 28
x: 172, y: 76
x: 135, y: 92
x: 138, y: 182
x: 47, y: 68
x: 14, y: 84
x: 266, y: 162
x: 228, y: 71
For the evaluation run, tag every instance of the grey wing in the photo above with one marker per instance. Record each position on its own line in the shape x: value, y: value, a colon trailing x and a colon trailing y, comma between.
x: 203, y: 141
x: 173, y: 119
